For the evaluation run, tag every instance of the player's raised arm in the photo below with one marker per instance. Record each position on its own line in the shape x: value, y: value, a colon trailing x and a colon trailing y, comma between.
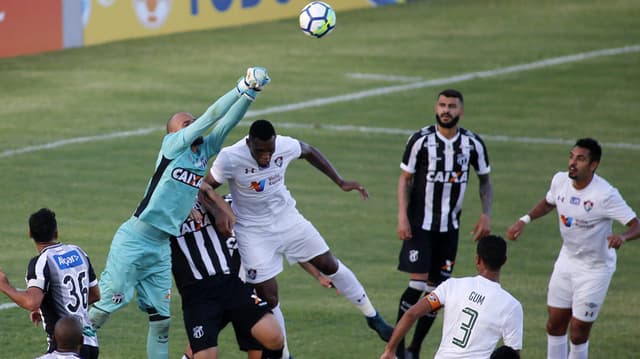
x: 321, y: 162
x: 187, y: 129
x: 213, y: 202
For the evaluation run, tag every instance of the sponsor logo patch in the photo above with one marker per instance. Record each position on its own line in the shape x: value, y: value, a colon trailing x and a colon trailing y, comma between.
x: 187, y: 177
x: 258, y: 186
x: 68, y: 260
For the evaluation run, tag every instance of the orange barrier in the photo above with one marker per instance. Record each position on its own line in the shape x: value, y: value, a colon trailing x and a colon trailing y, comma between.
x: 30, y: 26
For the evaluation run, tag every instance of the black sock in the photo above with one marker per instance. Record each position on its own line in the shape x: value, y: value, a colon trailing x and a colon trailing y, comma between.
x: 271, y: 354
x: 422, y: 329
x: 409, y: 298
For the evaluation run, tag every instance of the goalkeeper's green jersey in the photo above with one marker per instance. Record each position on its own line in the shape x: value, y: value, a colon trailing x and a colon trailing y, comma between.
x: 179, y: 170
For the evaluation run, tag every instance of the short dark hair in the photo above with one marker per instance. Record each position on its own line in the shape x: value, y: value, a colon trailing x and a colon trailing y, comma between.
x: 595, y: 151
x: 262, y: 130
x: 492, y: 250
x: 43, y: 225
x: 68, y: 333
x: 452, y: 93
x: 505, y: 352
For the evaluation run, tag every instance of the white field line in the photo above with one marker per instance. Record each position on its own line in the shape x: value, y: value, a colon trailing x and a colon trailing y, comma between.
x: 394, y: 78
x: 377, y: 92
x: 4, y: 306
x: 84, y: 139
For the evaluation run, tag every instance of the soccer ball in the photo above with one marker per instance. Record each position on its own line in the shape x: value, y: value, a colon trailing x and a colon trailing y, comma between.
x: 317, y: 19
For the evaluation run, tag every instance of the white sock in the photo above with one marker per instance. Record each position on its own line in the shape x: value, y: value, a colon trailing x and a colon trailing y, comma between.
x: 346, y: 282
x: 579, y: 351
x: 418, y: 285
x: 556, y: 347
x: 280, y: 318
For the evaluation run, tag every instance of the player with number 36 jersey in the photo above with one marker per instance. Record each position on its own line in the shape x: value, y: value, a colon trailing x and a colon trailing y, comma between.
x: 65, y: 274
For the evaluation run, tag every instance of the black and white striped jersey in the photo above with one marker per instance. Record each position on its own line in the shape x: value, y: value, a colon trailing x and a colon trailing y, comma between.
x: 440, y: 169
x: 65, y: 274
x: 201, y: 253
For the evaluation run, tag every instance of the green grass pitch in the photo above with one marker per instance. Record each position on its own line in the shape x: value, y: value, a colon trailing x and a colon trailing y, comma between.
x: 90, y: 97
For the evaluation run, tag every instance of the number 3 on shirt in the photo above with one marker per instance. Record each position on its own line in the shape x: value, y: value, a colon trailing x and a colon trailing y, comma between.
x: 466, y: 328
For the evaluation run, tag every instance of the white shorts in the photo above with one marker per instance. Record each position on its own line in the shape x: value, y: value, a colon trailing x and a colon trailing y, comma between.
x: 581, y: 290
x: 262, y: 247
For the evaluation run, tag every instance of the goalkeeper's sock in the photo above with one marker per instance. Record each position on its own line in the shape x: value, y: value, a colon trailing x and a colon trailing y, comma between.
x: 158, y: 338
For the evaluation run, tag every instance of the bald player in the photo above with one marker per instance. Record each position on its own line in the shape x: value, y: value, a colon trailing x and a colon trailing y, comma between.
x: 68, y: 336
x: 140, y: 255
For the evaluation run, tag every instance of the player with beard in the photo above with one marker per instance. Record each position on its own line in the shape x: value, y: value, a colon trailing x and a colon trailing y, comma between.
x: 140, y: 254
x: 586, y: 205
x: 433, y: 179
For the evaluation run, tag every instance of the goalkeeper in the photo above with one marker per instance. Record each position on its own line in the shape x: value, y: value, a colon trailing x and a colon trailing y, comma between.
x: 140, y: 254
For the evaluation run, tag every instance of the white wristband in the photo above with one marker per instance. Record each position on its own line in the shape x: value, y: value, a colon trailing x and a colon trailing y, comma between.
x: 526, y: 219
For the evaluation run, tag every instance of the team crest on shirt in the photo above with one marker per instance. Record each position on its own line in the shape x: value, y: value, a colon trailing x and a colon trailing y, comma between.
x: 462, y: 159
x: 198, y: 331
x: 201, y: 162
x: 588, y: 205
x: 278, y: 161
x: 413, y: 255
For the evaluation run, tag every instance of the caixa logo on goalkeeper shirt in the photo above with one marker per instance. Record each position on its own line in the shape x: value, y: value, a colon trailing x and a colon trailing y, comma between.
x: 68, y: 260
x: 187, y: 177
